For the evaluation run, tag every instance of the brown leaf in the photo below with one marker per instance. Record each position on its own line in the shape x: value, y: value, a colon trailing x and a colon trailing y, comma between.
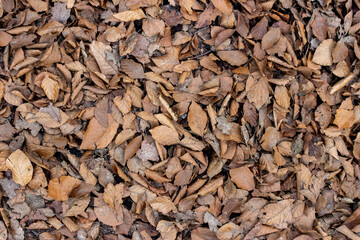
x: 243, y: 178
x: 270, y: 139
x: 224, y: 6
x: 107, y: 216
x: 101, y: 111
x: 60, y: 190
x: 130, y: 15
x: 5, y: 38
x: 259, y: 30
x: 163, y: 204
x: 97, y: 136
x: 228, y: 231
x: 323, y: 53
x: 87, y: 175
x: 167, y: 229
x: 340, y: 51
x: 323, y: 115
x: 75, y: 206
x: 38, y: 5
x: 278, y: 214
x: 270, y: 38
x: 21, y: 167
x: 98, y: 50
x: 197, y: 119
x: 257, y: 91
x: 6, y: 132
x: 165, y: 135
x: 51, y: 88
x: 282, y: 97
x: 132, y: 147
x: 320, y: 27
x: 132, y: 68
x: 235, y: 58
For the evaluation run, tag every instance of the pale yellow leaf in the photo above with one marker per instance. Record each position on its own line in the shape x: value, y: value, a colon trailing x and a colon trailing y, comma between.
x: 20, y: 166
x: 130, y: 15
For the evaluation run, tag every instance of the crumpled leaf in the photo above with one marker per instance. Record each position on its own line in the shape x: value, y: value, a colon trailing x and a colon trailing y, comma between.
x: 60, y: 190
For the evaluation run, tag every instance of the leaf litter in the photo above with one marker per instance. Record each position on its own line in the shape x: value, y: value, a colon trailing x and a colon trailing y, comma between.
x: 187, y: 119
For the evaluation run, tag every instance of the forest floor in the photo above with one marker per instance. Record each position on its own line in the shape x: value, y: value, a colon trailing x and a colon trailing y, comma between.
x: 179, y: 119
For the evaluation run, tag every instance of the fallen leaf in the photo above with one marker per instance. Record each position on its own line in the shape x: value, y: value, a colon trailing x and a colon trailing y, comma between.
x: 243, y: 178
x: 5, y: 38
x: 97, y: 136
x: 130, y: 15
x: 197, y: 119
x: 60, y: 190
x: 21, y: 167
x: 224, y: 6
x: 98, y: 50
x: 235, y: 58
x: 270, y: 38
x: 323, y: 53
x: 51, y: 88
x: 257, y: 91
x: 165, y: 135
x: 278, y: 214
x: 163, y: 204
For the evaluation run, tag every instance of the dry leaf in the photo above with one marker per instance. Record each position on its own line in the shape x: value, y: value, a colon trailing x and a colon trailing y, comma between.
x: 197, y: 119
x: 51, y: 88
x: 98, y: 50
x: 278, y: 214
x: 270, y: 139
x: 323, y: 53
x: 165, y: 135
x: 163, y: 204
x: 75, y: 206
x: 130, y: 15
x: 97, y: 136
x: 21, y: 167
x: 270, y: 38
x: 5, y: 38
x: 235, y: 58
x: 224, y: 6
x: 257, y: 91
x: 167, y: 230
x: 282, y: 97
x: 60, y: 190
x: 243, y: 178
